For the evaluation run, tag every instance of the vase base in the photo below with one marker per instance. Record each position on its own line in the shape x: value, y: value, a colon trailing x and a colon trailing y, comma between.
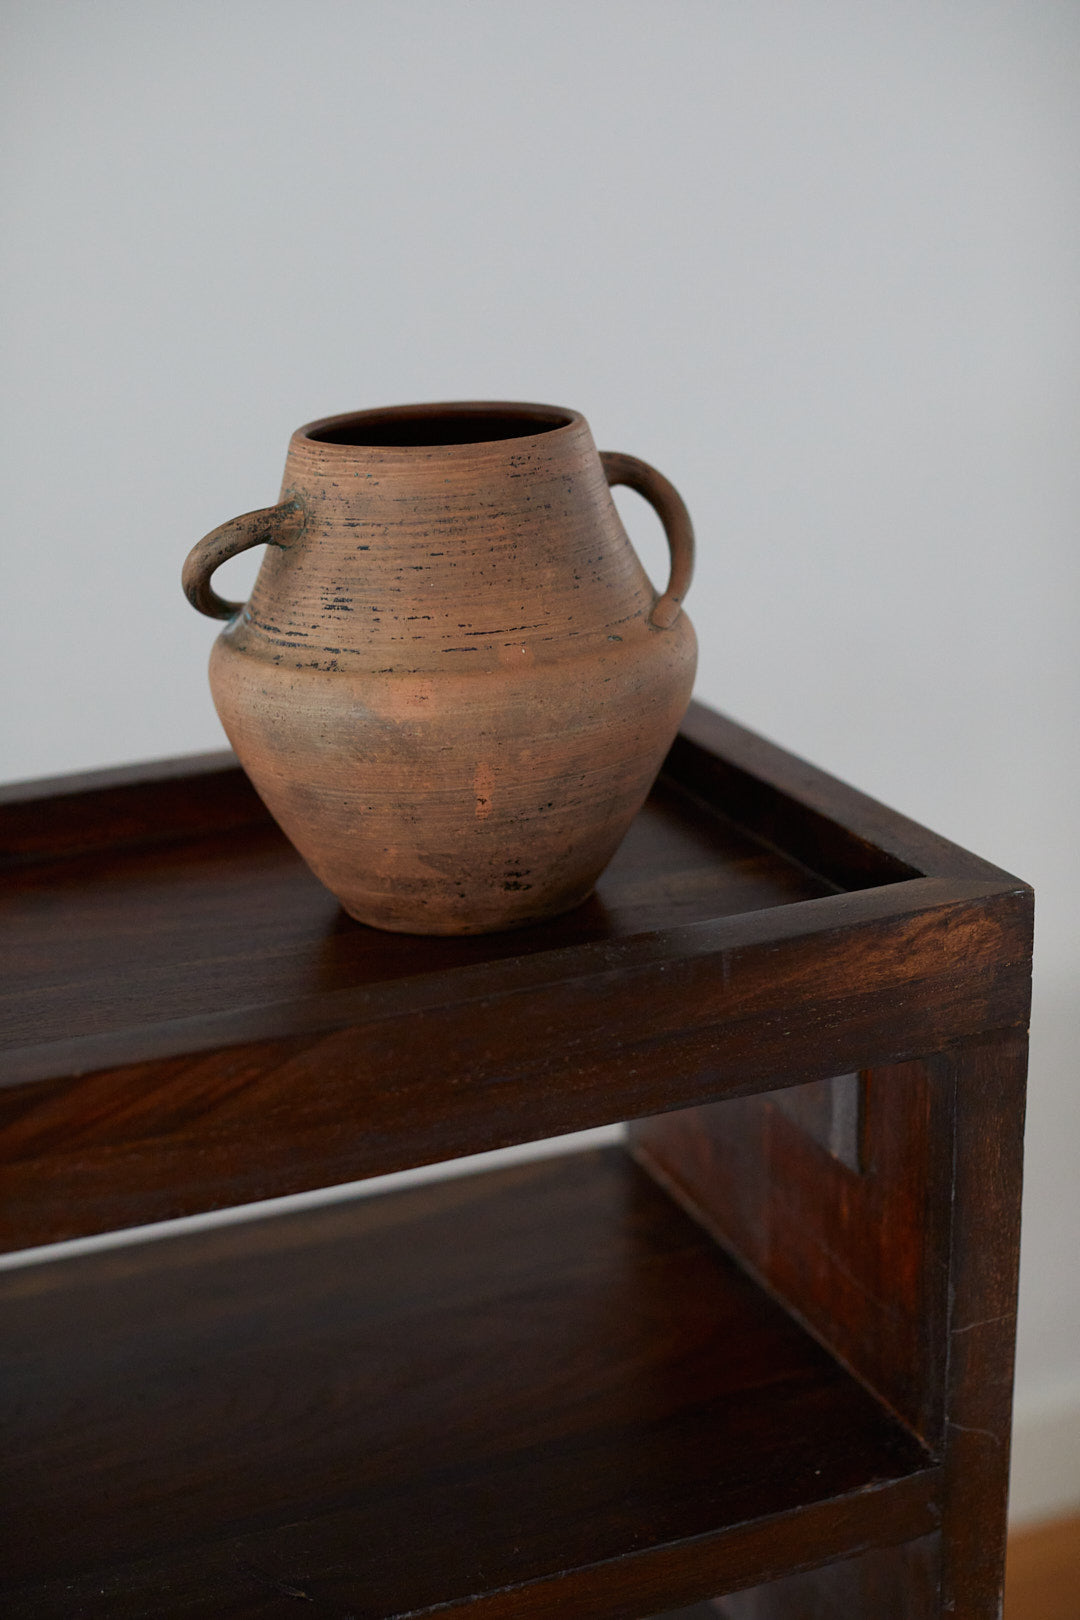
x: 463, y: 927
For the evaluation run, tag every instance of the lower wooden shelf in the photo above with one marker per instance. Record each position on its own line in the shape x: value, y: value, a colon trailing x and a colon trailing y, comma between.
x: 539, y: 1390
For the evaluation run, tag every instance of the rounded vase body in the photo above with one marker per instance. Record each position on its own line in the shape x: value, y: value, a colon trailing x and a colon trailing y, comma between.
x: 453, y: 684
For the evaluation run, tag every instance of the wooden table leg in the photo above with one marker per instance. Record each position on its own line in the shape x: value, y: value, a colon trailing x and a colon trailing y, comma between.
x: 987, y: 1106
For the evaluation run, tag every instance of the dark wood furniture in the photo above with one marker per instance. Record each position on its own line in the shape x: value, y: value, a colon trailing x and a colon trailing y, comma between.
x: 766, y: 1353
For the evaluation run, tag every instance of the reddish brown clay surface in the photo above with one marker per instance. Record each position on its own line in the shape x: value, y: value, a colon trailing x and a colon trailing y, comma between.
x: 453, y: 684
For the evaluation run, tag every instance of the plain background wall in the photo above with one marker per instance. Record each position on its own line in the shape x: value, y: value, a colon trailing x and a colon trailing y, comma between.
x: 817, y: 261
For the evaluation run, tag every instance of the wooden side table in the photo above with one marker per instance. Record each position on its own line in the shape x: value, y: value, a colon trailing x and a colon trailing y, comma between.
x: 766, y: 1353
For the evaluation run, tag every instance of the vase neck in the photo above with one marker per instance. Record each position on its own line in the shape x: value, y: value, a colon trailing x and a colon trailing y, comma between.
x: 449, y: 557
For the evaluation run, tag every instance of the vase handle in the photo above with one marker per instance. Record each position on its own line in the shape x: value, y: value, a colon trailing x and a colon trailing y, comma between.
x: 270, y: 526
x: 662, y: 495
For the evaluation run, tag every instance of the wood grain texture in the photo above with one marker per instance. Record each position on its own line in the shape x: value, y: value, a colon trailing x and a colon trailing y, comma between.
x: 173, y: 943
x: 189, y: 1021
x: 988, y: 1077
x: 545, y: 1392
x: 151, y: 1140
x: 171, y: 925
x: 908, y: 1271
x: 857, y: 1255
x: 542, y: 1390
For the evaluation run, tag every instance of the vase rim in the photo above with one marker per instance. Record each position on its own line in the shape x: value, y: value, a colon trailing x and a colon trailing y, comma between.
x: 454, y: 424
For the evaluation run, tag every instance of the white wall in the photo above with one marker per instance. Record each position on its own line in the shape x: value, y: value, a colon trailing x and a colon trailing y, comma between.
x: 818, y: 261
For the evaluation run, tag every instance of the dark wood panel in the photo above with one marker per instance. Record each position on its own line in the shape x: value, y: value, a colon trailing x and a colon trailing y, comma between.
x: 546, y: 1392
x: 908, y: 1271
x: 526, y: 1048
x: 187, y: 920
x: 543, y: 1390
x: 142, y: 936
x: 889, y: 1583
x: 156, y: 802
x: 858, y: 1255
x: 187, y: 1019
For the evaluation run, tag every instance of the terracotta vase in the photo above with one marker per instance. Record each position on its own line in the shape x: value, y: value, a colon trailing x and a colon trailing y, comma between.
x: 453, y: 684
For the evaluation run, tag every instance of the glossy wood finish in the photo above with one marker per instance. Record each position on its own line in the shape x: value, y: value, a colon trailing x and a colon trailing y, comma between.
x: 235, y: 906
x: 710, y: 964
x: 190, y: 1024
x: 541, y: 1390
x: 172, y: 944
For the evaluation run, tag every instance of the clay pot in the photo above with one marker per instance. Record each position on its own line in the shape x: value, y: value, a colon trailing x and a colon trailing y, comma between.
x: 453, y: 684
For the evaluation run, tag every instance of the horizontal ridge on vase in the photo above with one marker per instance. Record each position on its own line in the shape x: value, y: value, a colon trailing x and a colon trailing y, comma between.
x: 453, y: 684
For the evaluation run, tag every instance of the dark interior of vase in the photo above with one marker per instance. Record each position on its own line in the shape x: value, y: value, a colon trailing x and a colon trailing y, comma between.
x: 440, y: 424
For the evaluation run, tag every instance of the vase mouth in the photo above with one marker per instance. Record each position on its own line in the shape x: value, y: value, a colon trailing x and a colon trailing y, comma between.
x: 430, y: 427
